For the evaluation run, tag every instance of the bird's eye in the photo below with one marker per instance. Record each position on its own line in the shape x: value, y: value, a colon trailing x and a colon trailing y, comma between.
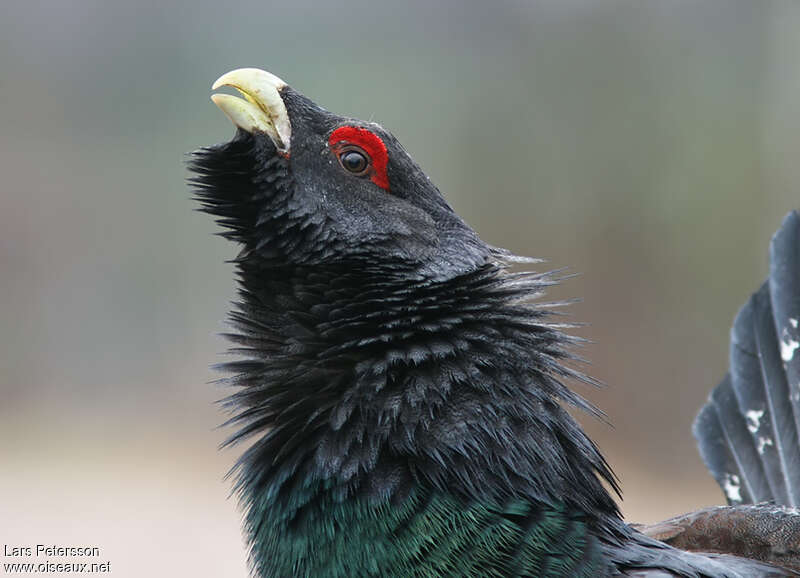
x: 354, y: 160
x: 361, y: 153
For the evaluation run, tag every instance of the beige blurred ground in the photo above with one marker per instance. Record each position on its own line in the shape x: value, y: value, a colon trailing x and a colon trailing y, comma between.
x: 651, y: 146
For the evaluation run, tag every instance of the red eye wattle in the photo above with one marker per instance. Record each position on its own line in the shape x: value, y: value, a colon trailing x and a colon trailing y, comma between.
x: 348, y: 142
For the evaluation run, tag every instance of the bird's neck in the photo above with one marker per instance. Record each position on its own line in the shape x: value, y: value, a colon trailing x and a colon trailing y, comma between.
x: 367, y: 383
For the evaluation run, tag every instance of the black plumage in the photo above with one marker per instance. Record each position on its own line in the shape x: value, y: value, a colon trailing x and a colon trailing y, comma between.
x: 404, y: 389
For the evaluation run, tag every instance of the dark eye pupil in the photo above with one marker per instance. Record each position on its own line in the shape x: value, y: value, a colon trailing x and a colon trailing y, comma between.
x: 354, y: 161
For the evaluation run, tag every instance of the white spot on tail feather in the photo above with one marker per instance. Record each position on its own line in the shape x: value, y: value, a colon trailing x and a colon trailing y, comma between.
x: 788, y: 346
x: 793, y: 322
x: 732, y: 487
x: 763, y: 442
x: 753, y: 418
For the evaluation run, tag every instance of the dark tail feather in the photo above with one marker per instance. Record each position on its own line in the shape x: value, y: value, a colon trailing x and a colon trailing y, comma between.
x: 747, y: 433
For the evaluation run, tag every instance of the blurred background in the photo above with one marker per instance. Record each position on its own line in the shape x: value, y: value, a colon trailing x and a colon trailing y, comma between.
x: 649, y: 146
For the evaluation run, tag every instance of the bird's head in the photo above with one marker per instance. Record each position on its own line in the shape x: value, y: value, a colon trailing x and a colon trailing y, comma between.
x: 390, y: 335
x: 299, y: 185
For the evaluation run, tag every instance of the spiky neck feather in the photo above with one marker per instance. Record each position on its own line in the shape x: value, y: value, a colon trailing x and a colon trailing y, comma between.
x: 368, y: 376
x: 373, y: 390
x: 375, y: 384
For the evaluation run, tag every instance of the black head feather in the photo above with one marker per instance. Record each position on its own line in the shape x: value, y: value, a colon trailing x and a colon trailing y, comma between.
x: 385, y: 346
x: 378, y: 324
x: 388, y: 354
